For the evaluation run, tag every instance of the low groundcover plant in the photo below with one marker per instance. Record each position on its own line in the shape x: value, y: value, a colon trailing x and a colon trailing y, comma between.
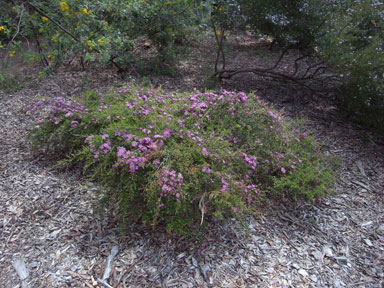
x: 180, y: 159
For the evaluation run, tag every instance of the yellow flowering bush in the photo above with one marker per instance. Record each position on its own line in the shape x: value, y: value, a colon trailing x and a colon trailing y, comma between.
x: 104, y: 33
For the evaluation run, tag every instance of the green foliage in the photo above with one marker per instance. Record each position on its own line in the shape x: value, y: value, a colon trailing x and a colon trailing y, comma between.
x: 180, y: 159
x: 8, y: 83
x: 291, y: 23
x: 353, y: 45
x: 102, y: 32
x: 347, y: 35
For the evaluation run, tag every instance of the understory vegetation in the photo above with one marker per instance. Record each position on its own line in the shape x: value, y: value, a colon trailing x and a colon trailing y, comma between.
x: 340, y: 42
x: 179, y: 159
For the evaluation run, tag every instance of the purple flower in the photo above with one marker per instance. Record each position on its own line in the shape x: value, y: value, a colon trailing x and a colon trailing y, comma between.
x: 224, y: 186
x: 242, y: 97
x: 106, y: 147
x: 205, y: 152
x: 283, y: 170
x: 104, y: 136
x: 74, y: 124
x: 169, y: 183
x: 121, y: 152
x: 89, y: 139
x: 250, y: 160
x: 206, y: 170
x: 156, y: 163
x: 130, y: 105
x: 167, y: 133
x: 273, y: 115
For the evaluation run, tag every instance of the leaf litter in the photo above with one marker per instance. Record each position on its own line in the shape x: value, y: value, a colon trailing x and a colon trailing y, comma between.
x: 52, y: 236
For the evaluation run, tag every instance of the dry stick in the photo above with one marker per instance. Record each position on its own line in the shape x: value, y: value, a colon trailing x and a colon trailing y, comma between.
x: 265, y: 72
x: 18, y: 28
x: 280, y: 58
x: 297, y: 65
x: 218, y: 43
x: 16, y: 33
x: 220, y: 51
x: 104, y: 283
x: 221, y: 48
x: 44, y: 60
x: 53, y: 21
x: 119, y: 68
x: 285, y: 51
x: 313, y: 66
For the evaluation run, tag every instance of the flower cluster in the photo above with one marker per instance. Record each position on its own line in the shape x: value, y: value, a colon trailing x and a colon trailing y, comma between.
x: 250, y: 160
x: 62, y: 109
x: 170, y: 183
x: 210, y: 152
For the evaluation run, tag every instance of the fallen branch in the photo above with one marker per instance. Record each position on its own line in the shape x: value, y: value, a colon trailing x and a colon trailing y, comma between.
x: 108, y: 267
x: 228, y: 74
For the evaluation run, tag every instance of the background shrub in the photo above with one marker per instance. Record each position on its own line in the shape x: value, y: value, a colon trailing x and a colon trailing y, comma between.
x: 177, y: 159
x: 353, y: 45
x: 290, y: 23
x: 102, y: 32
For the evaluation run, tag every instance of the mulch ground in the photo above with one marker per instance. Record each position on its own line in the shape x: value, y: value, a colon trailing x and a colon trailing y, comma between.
x: 49, y: 220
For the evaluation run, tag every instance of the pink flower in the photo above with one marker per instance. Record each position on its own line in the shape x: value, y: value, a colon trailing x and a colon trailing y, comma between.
x: 206, y: 170
x: 167, y: 133
x: 283, y: 170
x: 130, y: 105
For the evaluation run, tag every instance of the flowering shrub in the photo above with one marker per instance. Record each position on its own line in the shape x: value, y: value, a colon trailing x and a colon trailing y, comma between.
x: 102, y: 32
x: 179, y: 159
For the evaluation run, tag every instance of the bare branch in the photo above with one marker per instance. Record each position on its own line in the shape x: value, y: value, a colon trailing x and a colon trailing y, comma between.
x: 297, y: 65
x: 18, y: 28
x: 53, y: 21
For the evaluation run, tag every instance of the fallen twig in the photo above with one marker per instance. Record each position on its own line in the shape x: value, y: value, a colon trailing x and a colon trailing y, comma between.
x: 22, y: 271
x: 104, y: 283
x: 108, y: 267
